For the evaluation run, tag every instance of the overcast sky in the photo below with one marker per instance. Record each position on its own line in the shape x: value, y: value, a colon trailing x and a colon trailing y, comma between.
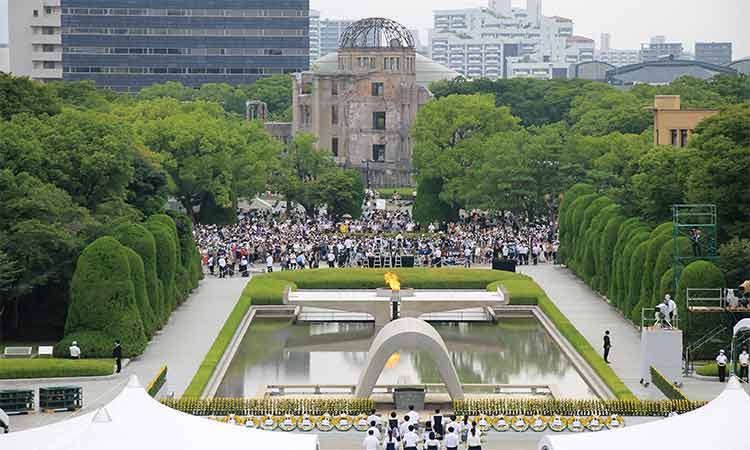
x: 629, y: 21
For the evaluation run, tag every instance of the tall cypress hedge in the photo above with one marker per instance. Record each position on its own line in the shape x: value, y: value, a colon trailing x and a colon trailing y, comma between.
x: 139, y: 239
x: 698, y: 275
x: 606, y: 253
x: 578, y: 207
x: 565, y: 214
x: 141, y: 297
x: 103, y: 304
x: 166, y: 262
x: 623, y: 301
x: 635, y: 277
x: 591, y: 211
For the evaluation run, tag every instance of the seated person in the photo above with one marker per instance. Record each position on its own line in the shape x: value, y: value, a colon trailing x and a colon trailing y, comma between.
x: 75, y: 350
x: 731, y: 300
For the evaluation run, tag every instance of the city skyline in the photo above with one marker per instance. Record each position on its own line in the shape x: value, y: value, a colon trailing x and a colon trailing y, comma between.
x: 629, y: 28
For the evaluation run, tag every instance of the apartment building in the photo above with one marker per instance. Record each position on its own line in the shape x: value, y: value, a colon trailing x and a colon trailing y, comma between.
x: 718, y: 53
x: 325, y: 35
x: 35, y: 38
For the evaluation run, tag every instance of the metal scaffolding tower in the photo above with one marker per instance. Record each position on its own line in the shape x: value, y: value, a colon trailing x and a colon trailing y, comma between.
x: 698, y: 224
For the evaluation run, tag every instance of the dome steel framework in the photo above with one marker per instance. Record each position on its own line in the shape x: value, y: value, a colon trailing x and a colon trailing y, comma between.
x: 376, y: 32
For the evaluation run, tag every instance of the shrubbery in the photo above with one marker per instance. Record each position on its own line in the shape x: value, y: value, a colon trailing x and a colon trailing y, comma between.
x: 124, y: 286
x: 626, y: 260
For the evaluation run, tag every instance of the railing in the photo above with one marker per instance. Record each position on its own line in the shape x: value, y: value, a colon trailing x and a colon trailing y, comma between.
x: 465, y: 315
x: 385, y: 389
x: 714, y: 300
x: 334, y: 316
x: 649, y: 319
x: 692, y: 348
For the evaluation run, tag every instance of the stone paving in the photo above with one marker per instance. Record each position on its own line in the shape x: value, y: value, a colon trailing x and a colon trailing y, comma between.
x: 181, y: 345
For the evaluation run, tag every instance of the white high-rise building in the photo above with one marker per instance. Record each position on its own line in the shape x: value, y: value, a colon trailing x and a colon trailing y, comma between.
x: 480, y: 42
x: 325, y: 35
x: 4, y: 58
x: 605, y: 42
x: 502, y: 7
x: 35, y: 38
x: 534, y: 8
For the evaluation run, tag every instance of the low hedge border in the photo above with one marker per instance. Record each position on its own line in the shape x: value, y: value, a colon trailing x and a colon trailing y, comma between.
x: 268, y: 290
x: 156, y: 384
x: 712, y: 370
x: 665, y: 386
x: 11, y: 368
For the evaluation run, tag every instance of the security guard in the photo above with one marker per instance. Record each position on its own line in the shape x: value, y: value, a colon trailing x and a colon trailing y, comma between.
x: 721, y: 361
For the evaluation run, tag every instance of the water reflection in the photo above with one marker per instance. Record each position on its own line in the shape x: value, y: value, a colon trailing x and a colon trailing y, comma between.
x: 514, y: 351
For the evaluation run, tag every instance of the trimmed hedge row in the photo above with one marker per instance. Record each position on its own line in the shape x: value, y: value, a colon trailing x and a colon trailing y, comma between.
x: 269, y: 288
x: 625, y: 259
x: 125, y: 286
x: 665, y: 386
x: 156, y: 384
x: 54, y: 368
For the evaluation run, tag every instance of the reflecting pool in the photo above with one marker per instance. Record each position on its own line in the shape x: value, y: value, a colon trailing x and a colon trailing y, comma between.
x: 513, y: 351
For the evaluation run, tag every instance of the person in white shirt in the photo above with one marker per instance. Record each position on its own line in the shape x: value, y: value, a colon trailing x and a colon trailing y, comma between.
x: 474, y: 441
x: 269, y: 263
x: 451, y: 439
x: 404, y: 427
x: 413, y: 416
x: 671, y: 308
x: 374, y: 418
x: 744, y: 364
x: 411, y: 439
x: 374, y: 429
x: 721, y: 361
x: 370, y: 442
x: 431, y: 443
x: 75, y: 351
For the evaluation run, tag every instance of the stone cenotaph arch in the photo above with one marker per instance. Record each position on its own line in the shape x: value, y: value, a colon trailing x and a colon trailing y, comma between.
x: 408, y: 334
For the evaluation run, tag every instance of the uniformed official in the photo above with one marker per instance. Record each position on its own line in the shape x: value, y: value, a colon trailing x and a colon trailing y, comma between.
x: 744, y: 363
x: 607, y: 346
x: 721, y: 361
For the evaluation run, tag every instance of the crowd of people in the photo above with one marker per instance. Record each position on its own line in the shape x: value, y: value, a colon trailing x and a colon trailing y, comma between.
x: 411, y: 433
x: 261, y: 238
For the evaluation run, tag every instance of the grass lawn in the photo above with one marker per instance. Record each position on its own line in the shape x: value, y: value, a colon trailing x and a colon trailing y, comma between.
x: 406, y: 193
x: 268, y: 289
x: 12, y: 368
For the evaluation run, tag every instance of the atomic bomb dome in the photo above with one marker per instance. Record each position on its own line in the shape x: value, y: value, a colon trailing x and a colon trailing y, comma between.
x: 376, y: 32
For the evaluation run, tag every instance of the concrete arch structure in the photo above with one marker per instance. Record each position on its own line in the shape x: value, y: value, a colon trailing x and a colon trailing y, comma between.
x: 408, y: 333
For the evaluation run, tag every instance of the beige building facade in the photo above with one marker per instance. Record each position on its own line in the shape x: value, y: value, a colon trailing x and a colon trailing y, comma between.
x: 35, y: 39
x: 674, y: 125
x: 363, y: 111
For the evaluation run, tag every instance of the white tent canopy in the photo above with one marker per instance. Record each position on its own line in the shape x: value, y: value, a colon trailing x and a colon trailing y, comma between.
x: 716, y: 425
x: 742, y: 325
x: 134, y: 420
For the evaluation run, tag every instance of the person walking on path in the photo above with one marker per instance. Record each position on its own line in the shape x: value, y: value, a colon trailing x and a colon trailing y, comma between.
x: 607, y: 346
x: 117, y: 354
x: 721, y: 361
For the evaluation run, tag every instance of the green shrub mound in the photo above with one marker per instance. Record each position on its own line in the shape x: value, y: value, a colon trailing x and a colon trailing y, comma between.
x: 103, y: 298
x: 699, y: 275
x: 166, y: 263
x: 139, y: 239
x: 141, y: 296
x: 189, y: 256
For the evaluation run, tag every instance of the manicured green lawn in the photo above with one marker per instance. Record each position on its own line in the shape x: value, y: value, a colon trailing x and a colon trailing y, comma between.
x: 406, y: 193
x: 13, y: 368
x: 712, y: 370
x: 268, y: 289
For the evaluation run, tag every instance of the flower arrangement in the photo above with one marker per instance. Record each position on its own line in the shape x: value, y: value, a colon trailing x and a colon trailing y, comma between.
x: 551, y: 407
x: 272, y: 406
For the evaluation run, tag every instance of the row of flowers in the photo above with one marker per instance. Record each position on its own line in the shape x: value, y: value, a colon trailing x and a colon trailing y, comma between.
x: 551, y: 407
x: 274, y: 407
x: 500, y: 423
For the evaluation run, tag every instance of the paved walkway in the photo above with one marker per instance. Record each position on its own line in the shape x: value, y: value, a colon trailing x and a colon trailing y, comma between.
x: 181, y: 345
x: 592, y: 315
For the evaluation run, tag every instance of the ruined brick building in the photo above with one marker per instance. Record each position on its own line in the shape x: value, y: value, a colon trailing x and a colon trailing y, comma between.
x: 361, y: 102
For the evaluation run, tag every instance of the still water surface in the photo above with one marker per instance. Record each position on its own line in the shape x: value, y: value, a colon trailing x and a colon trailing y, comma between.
x: 514, y: 351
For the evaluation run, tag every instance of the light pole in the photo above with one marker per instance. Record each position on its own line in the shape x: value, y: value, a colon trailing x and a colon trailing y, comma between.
x: 366, y: 162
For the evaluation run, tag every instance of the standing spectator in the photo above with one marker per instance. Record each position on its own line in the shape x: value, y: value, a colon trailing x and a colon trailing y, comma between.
x: 117, y: 354
x: 391, y: 440
x: 474, y: 442
x: 744, y: 363
x: 431, y: 443
x: 721, y: 361
x: 269, y: 263
x: 411, y: 439
x: 671, y: 308
x: 451, y: 439
x: 607, y: 346
x: 75, y: 351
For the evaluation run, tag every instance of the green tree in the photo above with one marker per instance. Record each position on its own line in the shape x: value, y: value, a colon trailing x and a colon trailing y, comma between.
x: 83, y: 94
x: 661, y: 181
x: 734, y: 261
x: 718, y: 174
x: 342, y: 192
x: 22, y: 95
x: 602, y: 110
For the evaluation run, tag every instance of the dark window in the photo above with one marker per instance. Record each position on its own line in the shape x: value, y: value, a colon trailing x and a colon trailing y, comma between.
x: 335, y: 146
x: 334, y: 87
x: 378, y: 152
x: 48, y: 64
x: 36, y: 13
x: 683, y: 138
x: 673, y: 137
x: 47, y: 10
x: 377, y: 89
x: 378, y: 120
x: 334, y: 115
x: 273, y: 52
